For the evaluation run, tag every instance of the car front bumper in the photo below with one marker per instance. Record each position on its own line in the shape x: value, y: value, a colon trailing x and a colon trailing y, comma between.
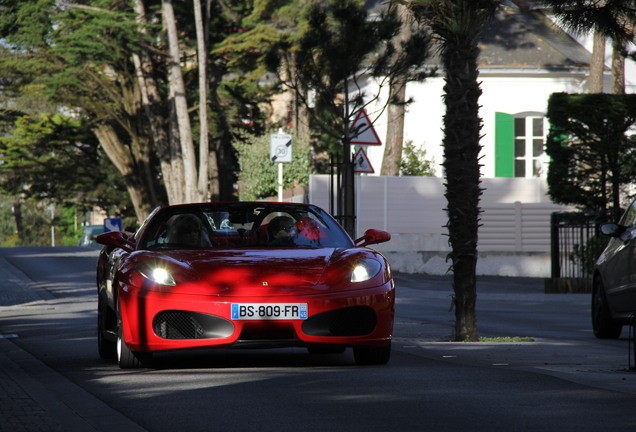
x: 158, y: 321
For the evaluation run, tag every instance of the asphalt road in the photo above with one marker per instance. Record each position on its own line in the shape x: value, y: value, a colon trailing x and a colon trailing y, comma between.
x: 565, y: 380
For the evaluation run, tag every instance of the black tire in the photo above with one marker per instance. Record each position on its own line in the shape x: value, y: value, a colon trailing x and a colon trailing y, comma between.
x: 372, y: 355
x: 127, y: 359
x: 107, y: 348
x: 602, y: 323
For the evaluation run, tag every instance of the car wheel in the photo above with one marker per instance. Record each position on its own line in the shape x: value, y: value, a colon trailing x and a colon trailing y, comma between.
x: 107, y: 348
x: 372, y: 355
x: 126, y: 358
x: 602, y: 323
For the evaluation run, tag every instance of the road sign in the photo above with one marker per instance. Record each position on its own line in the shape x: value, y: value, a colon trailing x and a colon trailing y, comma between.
x: 361, y: 162
x: 112, y: 224
x: 281, y: 148
x: 367, y: 134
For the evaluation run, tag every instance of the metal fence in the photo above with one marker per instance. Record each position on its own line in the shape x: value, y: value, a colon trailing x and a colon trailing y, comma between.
x: 576, y: 244
x: 515, y: 218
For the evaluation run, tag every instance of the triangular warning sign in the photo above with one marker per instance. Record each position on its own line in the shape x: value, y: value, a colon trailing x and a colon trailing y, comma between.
x: 367, y: 134
x: 361, y: 162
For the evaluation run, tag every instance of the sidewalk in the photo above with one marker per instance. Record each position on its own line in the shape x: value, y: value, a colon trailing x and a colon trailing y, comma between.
x: 575, y: 356
x: 33, y: 397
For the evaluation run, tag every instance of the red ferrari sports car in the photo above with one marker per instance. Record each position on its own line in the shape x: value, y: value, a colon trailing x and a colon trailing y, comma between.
x: 246, y: 274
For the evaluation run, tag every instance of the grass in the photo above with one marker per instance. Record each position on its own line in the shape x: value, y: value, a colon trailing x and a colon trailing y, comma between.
x: 506, y: 339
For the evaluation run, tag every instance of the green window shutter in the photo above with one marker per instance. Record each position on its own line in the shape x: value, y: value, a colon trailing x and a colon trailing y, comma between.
x: 504, y: 145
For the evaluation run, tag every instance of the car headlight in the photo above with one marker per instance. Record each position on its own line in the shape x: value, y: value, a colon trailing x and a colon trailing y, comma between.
x: 365, y: 270
x: 157, y: 274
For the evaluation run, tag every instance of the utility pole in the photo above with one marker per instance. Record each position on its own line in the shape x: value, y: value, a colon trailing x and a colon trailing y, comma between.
x: 348, y: 214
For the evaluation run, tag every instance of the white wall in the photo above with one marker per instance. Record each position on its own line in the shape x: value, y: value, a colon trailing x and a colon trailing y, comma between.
x: 514, y: 239
x: 509, y: 92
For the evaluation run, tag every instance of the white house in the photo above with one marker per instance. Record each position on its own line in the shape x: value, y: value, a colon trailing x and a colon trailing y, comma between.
x: 525, y: 58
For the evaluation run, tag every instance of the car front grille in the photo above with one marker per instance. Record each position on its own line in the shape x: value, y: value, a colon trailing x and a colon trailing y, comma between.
x: 190, y: 325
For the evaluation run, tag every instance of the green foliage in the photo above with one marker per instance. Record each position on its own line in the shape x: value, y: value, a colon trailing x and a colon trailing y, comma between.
x: 414, y: 161
x: 326, y: 47
x: 34, y: 220
x: 499, y: 339
x: 68, y: 228
x: 55, y: 158
x: 341, y: 29
x: 80, y: 55
x: 614, y: 18
x: 259, y: 175
x: 593, y: 152
x: 8, y: 230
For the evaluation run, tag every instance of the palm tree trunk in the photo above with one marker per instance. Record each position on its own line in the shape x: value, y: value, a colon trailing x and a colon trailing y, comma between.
x: 462, y: 127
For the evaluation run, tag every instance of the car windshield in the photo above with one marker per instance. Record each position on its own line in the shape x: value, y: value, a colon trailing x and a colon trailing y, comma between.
x: 241, y: 225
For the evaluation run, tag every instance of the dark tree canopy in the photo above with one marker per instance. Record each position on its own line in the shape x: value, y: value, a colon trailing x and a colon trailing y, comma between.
x: 593, y: 154
x: 55, y: 158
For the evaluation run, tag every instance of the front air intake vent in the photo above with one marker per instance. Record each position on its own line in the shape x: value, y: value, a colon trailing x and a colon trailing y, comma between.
x: 349, y: 321
x: 190, y: 325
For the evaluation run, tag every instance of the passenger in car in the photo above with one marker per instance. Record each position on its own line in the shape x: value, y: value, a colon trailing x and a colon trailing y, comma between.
x: 187, y: 230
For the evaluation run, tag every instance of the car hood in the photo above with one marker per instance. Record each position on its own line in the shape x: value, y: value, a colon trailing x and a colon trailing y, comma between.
x: 256, y: 272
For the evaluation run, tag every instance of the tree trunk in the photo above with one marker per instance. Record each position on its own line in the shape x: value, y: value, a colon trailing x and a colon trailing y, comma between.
x: 17, y: 217
x: 118, y: 153
x: 597, y: 65
x: 301, y: 119
x: 179, y: 105
x: 618, y: 67
x: 152, y: 103
x: 462, y: 127
x: 176, y: 161
x: 202, y: 192
x: 131, y: 155
x: 301, y: 114
x: 394, y: 129
x: 396, y: 108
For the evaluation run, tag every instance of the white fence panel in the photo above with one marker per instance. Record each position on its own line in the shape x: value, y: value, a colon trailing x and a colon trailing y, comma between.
x: 515, y: 218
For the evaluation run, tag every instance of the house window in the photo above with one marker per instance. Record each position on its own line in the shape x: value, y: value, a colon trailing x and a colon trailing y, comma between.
x: 520, y: 145
x: 529, y: 146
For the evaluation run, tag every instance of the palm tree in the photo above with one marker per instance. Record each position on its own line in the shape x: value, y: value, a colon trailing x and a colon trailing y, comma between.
x: 457, y: 25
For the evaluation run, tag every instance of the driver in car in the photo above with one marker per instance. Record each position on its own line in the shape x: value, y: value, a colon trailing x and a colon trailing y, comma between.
x: 282, y: 231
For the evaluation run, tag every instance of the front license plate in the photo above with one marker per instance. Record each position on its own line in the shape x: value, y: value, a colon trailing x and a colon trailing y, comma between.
x: 269, y: 311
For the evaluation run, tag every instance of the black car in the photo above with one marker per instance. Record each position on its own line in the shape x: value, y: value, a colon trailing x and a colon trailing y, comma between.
x: 614, y: 283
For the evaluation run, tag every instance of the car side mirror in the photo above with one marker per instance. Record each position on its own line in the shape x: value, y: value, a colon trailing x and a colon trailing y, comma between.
x: 116, y: 239
x: 612, y: 229
x: 373, y: 236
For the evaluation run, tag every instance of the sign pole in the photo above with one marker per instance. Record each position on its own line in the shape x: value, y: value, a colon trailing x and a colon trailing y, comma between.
x: 280, y: 182
x: 363, y: 133
x: 348, y: 186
